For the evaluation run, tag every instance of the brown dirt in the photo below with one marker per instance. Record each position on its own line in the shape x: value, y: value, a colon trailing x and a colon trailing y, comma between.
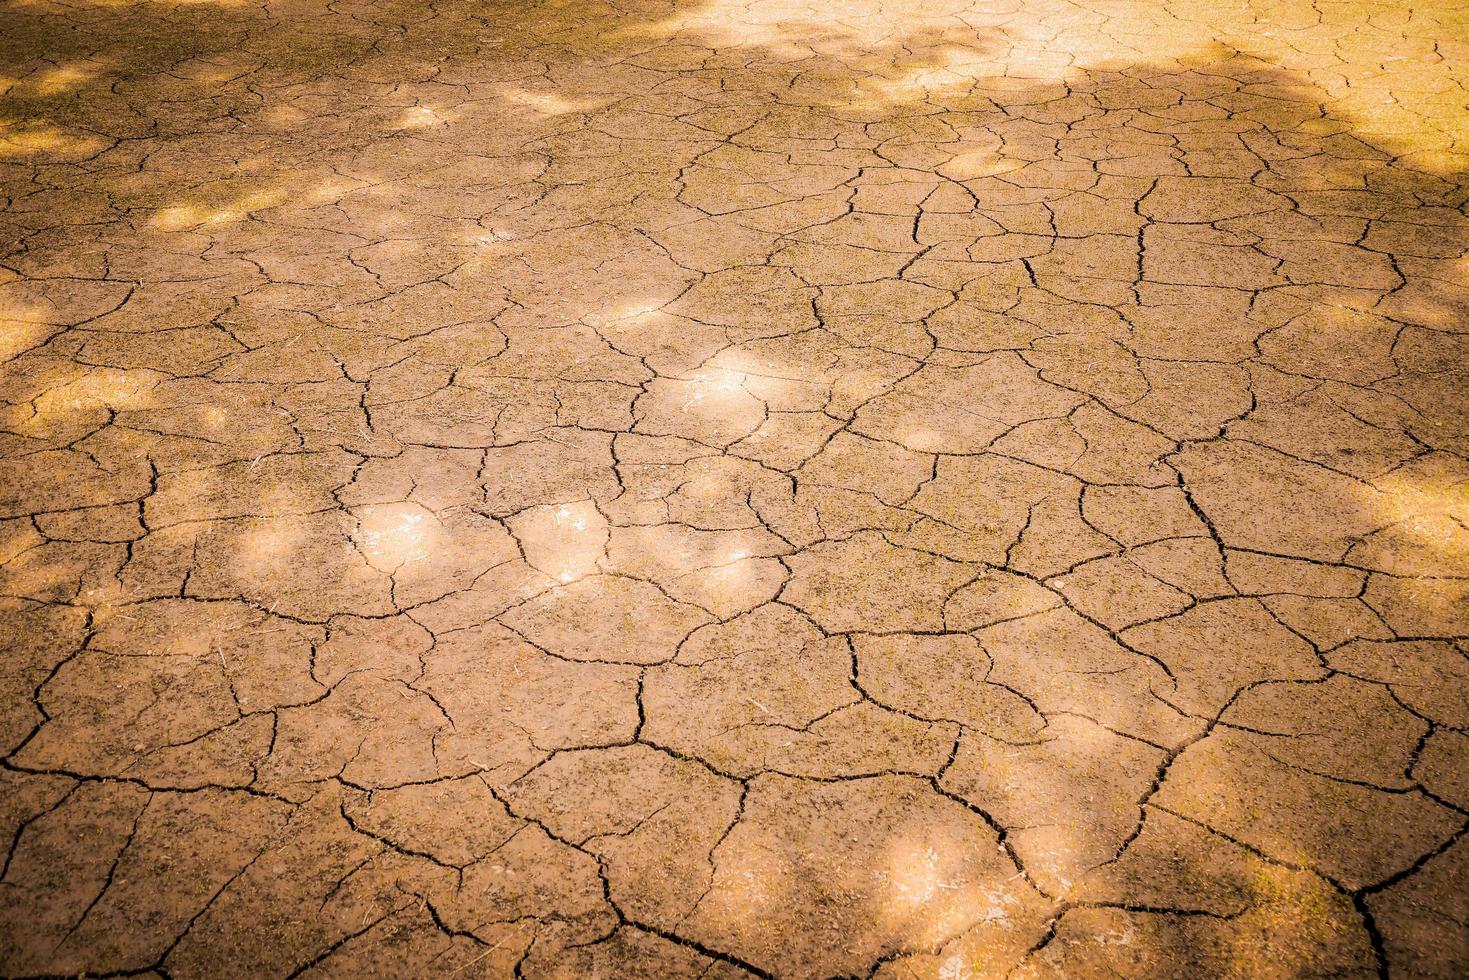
x: 922, y: 488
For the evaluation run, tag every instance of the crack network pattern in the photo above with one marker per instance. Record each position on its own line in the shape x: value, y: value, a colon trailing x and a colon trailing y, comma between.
x: 889, y: 488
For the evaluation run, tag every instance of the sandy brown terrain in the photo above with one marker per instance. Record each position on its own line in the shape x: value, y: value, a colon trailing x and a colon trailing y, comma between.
x: 897, y: 488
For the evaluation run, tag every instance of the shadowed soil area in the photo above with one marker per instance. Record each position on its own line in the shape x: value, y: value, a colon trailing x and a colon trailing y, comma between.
x: 724, y: 488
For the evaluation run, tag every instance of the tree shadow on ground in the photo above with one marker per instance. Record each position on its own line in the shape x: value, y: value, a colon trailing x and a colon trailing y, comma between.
x: 240, y: 232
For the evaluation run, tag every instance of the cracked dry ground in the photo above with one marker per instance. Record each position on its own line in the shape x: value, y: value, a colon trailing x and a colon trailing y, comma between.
x: 912, y: 489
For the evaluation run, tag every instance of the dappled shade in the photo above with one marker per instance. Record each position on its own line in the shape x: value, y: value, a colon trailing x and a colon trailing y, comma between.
x: 896, y: 488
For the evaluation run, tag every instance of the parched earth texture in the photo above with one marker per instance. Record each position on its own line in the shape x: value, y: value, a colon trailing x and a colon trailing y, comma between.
x: 897, y: 488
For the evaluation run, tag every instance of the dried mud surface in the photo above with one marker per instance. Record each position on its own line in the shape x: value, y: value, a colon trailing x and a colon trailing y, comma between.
x: 734, y: 487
